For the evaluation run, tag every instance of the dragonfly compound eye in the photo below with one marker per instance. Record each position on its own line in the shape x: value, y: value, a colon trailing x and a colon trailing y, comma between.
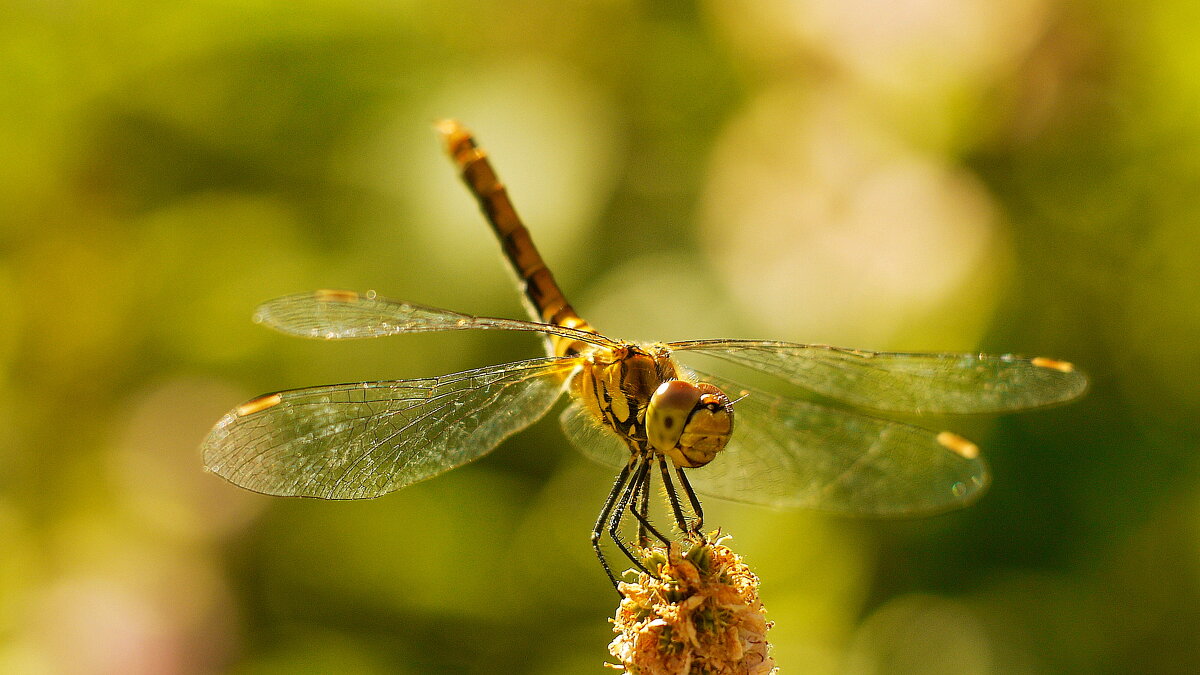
x: 690, y: 423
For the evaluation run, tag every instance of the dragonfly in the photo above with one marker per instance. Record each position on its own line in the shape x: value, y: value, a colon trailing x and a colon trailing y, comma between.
x: 632, y: 405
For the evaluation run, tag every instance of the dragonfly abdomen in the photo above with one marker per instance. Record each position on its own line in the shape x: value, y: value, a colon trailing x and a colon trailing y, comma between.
x: 546, y: 300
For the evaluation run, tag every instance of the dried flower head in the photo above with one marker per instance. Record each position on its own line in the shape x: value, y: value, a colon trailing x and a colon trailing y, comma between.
x: 700, y: 615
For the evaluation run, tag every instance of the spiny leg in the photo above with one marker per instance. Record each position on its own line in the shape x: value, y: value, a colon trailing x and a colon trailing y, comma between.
x: 693, y: 498
x: 609, y: 503
x: 623, y: 503
x: 645, y: 527
x: 673, y: 498
x: 641, y: 511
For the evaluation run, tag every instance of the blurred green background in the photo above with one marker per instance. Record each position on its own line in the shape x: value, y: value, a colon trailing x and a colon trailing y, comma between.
x: 1018, y: 176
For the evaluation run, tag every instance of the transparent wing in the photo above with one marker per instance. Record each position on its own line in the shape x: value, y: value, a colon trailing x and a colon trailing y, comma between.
x: 794, y: 454
x: 335, y: 315
x: 592, y: 439
x: 356, y: 441
x: 900, y: 382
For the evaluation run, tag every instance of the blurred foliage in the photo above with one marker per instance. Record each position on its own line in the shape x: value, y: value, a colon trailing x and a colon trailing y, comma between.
x: 1017, y: 176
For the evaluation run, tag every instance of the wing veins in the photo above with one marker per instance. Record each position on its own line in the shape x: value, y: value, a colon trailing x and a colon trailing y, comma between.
x: 284, y: 449
x: 422, y: 417
x: 903, y: 382
x: 349, y: 315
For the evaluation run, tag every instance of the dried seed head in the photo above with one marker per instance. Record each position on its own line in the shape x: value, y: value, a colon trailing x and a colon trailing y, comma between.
x: 701, y: 615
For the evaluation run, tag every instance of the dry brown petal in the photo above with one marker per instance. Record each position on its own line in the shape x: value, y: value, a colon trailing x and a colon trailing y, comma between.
x: 701, y: 615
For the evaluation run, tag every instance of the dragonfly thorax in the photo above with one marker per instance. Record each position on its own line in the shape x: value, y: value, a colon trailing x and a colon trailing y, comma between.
x: 636, y: 392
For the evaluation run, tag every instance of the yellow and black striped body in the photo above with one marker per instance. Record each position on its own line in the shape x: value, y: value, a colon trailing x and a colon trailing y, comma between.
x: 633, y: 390
x: 545, y: 299
x: 616, y: 385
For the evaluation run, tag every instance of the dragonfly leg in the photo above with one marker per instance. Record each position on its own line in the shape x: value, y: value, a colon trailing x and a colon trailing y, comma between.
x: 633, y: 474
x: 610, y: 502
x: 693, y: 498
x: 641, y: 511
x: 618, y: 512
x: 642, y: 514
x: 681, y: 519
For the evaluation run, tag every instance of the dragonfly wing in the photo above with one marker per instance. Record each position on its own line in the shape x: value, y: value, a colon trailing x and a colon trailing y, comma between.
x: 906, y: 382
x: 336, y: 315
x: 357, y: 441
x: 591, y: 438
x: 792, y: 453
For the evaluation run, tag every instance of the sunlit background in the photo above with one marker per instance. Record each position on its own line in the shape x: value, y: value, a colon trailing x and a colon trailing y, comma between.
x: 1019, y: 176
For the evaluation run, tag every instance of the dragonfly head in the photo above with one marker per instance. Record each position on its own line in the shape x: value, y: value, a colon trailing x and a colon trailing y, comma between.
x: 690, y: 423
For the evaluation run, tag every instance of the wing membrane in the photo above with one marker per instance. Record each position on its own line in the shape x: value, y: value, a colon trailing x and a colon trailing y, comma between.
x: 592, y: 439
x: 792, y: 453
x: 337, y: 315
x: 357, y: 441
x: 905, y: 382
x: 788, y: 453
